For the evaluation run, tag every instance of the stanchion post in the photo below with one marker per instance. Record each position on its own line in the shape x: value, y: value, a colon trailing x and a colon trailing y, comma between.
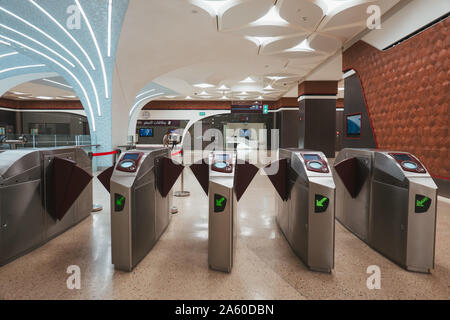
x: 182, y: 193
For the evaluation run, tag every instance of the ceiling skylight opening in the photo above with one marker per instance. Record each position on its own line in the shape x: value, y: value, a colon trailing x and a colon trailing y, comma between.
x: 272, y: 17
x: 204, y: 85
x: 248, y: 80
x: 302, y: 47
x: 268, y: 88
x: 188, y: 98
x: 204, y: 93
x: 216, y: 5
x: 8, y: 54
x: 224, y: 98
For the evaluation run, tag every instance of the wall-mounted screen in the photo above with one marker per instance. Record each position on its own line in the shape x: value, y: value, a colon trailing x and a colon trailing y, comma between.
x: 245, y: 133
x: 146, y: 132
x: 353, y: 125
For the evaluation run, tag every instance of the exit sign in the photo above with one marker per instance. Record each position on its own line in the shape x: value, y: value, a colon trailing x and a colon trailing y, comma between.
x: 202, y: 114
x: 265, y: 109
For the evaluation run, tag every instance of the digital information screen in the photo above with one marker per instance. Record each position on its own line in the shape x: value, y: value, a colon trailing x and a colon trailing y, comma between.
x: 146, y: 132
x: 309, y: 157
x: 220, y: 165
x: 131, y: 156
x: 354, y: 125
x: 403, y: 157
x: 221, y: 157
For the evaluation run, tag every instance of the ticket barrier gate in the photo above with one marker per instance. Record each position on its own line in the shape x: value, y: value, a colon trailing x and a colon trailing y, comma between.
x: 43, y: 192
x: 388, y: 200
x: 140, y: 187
x: 224, y: 180
x: 305, y: 208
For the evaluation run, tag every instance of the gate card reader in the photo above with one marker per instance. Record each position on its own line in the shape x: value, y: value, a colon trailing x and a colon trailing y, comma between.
x: 305, y: 208
x: 140, y: 188
x: 389, y: 201
x: 224, y: 179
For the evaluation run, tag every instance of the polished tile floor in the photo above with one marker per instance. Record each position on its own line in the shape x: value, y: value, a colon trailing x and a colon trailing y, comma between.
x: 177, y: 268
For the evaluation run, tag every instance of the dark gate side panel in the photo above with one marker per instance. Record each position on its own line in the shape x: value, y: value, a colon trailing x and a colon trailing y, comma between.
x: 169, y: 170
x: 105, y: 177
x: 21, y: 225
x: 278, y: 177
x: 353, y: 173
x: 244, y: 174
x: 201, y: 172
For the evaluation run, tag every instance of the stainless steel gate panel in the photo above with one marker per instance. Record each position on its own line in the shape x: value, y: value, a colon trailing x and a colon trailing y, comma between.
x: 21, y: 222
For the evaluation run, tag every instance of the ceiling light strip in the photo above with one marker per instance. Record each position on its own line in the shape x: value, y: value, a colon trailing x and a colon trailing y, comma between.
x: 22, y: 67
x: 5, y: 43
x: 102, y: 63
x: 61, y: 46
x: 143, y: 99
x: 57, y: 83
x: 144, y: 93
x: 109, y: 26
x: 8, y: 54
x: 39, y: 43
x: 65, y: 31
x: 62, y: 67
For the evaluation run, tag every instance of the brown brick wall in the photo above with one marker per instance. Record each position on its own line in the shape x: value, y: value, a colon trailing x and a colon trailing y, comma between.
x: 407, y: 93
x: 317, y: 88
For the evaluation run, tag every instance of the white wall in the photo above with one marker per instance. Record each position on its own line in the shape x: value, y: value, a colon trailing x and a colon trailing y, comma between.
x: 408, y: 19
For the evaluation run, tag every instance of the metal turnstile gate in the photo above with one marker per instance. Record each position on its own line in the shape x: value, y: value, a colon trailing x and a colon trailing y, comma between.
x: 388, y: 199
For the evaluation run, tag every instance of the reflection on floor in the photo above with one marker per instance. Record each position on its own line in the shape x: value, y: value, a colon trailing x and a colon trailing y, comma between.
x: 177, y: 267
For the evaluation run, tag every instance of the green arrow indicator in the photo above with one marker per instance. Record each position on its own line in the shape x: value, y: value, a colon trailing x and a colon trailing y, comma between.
x: 119, y: 201
x: 319, y: 203
x: 420, y: 203
x: 220, y: 201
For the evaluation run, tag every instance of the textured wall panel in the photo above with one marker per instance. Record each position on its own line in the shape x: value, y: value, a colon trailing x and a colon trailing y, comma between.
x: 407, y: 93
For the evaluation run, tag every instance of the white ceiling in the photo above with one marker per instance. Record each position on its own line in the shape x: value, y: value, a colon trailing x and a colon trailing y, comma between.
x: 181, y: 43
x: 43, y: 89
x: 253, y: 48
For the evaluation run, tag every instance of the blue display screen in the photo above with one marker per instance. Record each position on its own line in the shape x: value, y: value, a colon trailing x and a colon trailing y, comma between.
x: 220, y: 165
x: 146, y: 132
x: 131, y: 156
x: 354, y: 125
x: 245, y: 133
x: 312, y: 157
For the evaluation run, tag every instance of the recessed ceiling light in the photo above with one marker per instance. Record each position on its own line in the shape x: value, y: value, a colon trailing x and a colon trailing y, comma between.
x: 272, y: 17
x: 204, y: 93
x: 215, y: 5
x: 276, y: 78
x: 70, y: 97
x: 204, y: 85
x: 333, y: 4
x: 224, y: 97
x: 259, y: 41
x: 44, y: 98
x: 223, y: 87
x: 248, y: 80
x: 171, y: 97
x: 260, y: 98
x: 188, y: 98
x: 341, y: 89
x: 57, y: 83
x: 18, y: 93
x: 302, y: 46
x: 268, y: 87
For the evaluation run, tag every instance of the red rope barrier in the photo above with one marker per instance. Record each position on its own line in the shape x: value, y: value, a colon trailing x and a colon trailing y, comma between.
x: 101, y: 154
x: 178, y: 152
